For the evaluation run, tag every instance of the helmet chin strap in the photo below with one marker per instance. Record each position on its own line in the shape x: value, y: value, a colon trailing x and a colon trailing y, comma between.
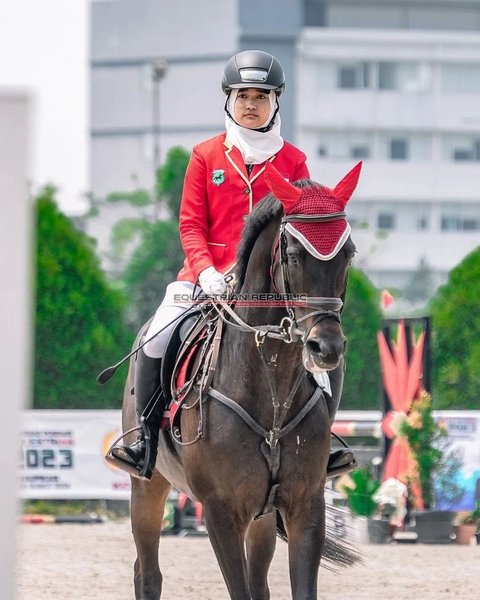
x: 264, y: 129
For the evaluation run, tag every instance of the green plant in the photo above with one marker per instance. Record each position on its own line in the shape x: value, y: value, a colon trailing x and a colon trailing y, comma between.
x: 79, y: 316
x: 424, y: 435
x: 471, y: 517
x: 360, y: 488
x: 455, y: 311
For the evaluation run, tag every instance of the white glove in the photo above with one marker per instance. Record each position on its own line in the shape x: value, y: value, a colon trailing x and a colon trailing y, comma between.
x: 212, y: 282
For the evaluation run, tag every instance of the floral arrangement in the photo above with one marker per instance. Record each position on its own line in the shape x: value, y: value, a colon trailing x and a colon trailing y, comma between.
x: 359, y: 487
x: 424, y: 436
x: 367, y: 497
x: 391, y: 499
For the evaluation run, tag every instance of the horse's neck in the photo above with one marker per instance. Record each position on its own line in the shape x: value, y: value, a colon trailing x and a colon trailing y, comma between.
x: 240, y: 348
x: 242, y: 361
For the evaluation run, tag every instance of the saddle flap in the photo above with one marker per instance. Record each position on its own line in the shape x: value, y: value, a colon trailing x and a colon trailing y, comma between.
x: 178, y: 336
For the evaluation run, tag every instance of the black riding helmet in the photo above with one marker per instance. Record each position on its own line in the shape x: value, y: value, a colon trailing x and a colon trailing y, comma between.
x: 253, y: 69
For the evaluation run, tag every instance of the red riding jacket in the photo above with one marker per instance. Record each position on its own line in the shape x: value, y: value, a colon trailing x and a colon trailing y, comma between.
x: 217, y: 194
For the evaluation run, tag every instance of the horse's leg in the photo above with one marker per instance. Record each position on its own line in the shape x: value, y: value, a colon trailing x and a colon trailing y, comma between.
x: 261, y: 538
x: 227, y: 536
x: 306, y: 538
x: 147, y: 511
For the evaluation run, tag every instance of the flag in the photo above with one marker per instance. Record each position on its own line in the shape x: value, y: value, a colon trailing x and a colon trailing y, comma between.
x: 386, y: 299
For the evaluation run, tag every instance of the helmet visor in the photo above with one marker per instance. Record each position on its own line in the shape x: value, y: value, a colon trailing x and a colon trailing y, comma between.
x: 253, y: 75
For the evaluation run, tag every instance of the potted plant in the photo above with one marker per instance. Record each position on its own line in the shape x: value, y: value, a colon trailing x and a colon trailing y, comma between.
x: 427, y: 440
x: 359, y: 487
x: 370, y: 500
x: 468, y: 523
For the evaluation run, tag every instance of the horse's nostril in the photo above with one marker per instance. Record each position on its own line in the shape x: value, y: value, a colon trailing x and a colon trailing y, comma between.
x: 326, y: 349
x: 313, y: 347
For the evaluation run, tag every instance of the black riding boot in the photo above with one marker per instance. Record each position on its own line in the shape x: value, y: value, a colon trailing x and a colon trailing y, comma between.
x: 343, y: 460
x: 150, y: 405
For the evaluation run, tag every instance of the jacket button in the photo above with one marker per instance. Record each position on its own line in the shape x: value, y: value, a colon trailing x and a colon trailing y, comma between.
x: 246, y: 190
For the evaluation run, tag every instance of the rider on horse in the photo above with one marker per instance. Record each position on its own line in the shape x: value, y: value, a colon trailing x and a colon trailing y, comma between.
x: 224, y: 181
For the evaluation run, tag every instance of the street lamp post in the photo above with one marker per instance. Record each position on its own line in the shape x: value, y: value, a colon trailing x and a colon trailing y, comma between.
x: 159, y: 70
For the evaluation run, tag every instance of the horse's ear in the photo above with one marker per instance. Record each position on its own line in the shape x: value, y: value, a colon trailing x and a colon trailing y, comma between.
x: 288, y: 194
x: 345, y: 188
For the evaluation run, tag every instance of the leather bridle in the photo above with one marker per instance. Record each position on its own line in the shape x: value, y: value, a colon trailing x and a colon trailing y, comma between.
x: 324, y: 306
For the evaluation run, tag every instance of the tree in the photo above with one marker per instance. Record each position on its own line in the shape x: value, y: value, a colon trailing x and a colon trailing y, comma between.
x: 148, y: 205
x: 361, y: 320
x: 78, y: 316
x: 455, y: 311
x: 158, y: 255
x: 152, y: 266
x: 419, y: 287
x: 170, y: 178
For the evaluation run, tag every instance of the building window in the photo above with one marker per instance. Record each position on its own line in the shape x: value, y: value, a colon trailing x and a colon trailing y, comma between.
x: 476, y: 149
x: 470, y: 224
x: 422, y: 223
x: 386, y: 221
x: 462, y: 154
x: 404, y: 77
x: 461, y: 78
x: 322, y: 151
x: 354, y: 76
x: 358, y: 151
x: 343, y: 145
x: 454, y: 223
x: 398, y: 149
x: 461, y: 148
x: 467, y: 153
x: 387, y: 76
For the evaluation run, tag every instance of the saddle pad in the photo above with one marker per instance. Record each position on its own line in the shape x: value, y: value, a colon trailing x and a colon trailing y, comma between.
x: 180, y: 379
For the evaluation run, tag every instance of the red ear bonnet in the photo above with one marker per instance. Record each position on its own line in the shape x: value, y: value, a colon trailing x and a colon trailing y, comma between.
x: 322, y: 239
x: 288, y: 194
x: 345, y: 188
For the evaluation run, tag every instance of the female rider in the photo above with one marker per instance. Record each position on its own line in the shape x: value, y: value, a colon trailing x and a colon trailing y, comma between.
x: 223, y: 182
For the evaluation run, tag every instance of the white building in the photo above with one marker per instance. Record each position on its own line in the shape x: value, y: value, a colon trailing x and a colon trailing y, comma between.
x: 408, y: 104
x: 395, y: 83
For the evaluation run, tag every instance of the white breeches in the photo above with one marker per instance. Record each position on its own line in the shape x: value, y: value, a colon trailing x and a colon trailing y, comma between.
x: 169, y: 309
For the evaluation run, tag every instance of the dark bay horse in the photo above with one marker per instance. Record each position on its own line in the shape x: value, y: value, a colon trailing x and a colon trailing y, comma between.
x: 265, y: 440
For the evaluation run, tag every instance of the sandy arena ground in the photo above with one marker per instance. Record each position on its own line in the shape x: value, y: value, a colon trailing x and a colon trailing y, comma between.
x: 86, y: 562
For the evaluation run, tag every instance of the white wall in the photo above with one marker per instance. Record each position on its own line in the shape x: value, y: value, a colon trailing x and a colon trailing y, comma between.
x: 15, y: 275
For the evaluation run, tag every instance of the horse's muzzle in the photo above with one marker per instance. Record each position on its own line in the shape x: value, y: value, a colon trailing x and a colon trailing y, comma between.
x: 323, y: 352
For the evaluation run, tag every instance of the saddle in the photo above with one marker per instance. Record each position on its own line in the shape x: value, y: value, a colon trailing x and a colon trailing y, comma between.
x: 192, y: 335
x: 175, y: 342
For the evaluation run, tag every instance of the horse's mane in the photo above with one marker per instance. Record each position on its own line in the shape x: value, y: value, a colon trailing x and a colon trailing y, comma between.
x: 262, y: 214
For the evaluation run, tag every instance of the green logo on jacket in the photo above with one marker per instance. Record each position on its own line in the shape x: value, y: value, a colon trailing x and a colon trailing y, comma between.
x: 218, y: 176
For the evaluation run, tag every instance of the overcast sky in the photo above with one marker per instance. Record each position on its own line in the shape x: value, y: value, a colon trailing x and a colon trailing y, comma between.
x: 43, y: 48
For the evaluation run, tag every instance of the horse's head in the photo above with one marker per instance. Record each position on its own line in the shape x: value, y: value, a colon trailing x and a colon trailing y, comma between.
x: 312, y: 261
